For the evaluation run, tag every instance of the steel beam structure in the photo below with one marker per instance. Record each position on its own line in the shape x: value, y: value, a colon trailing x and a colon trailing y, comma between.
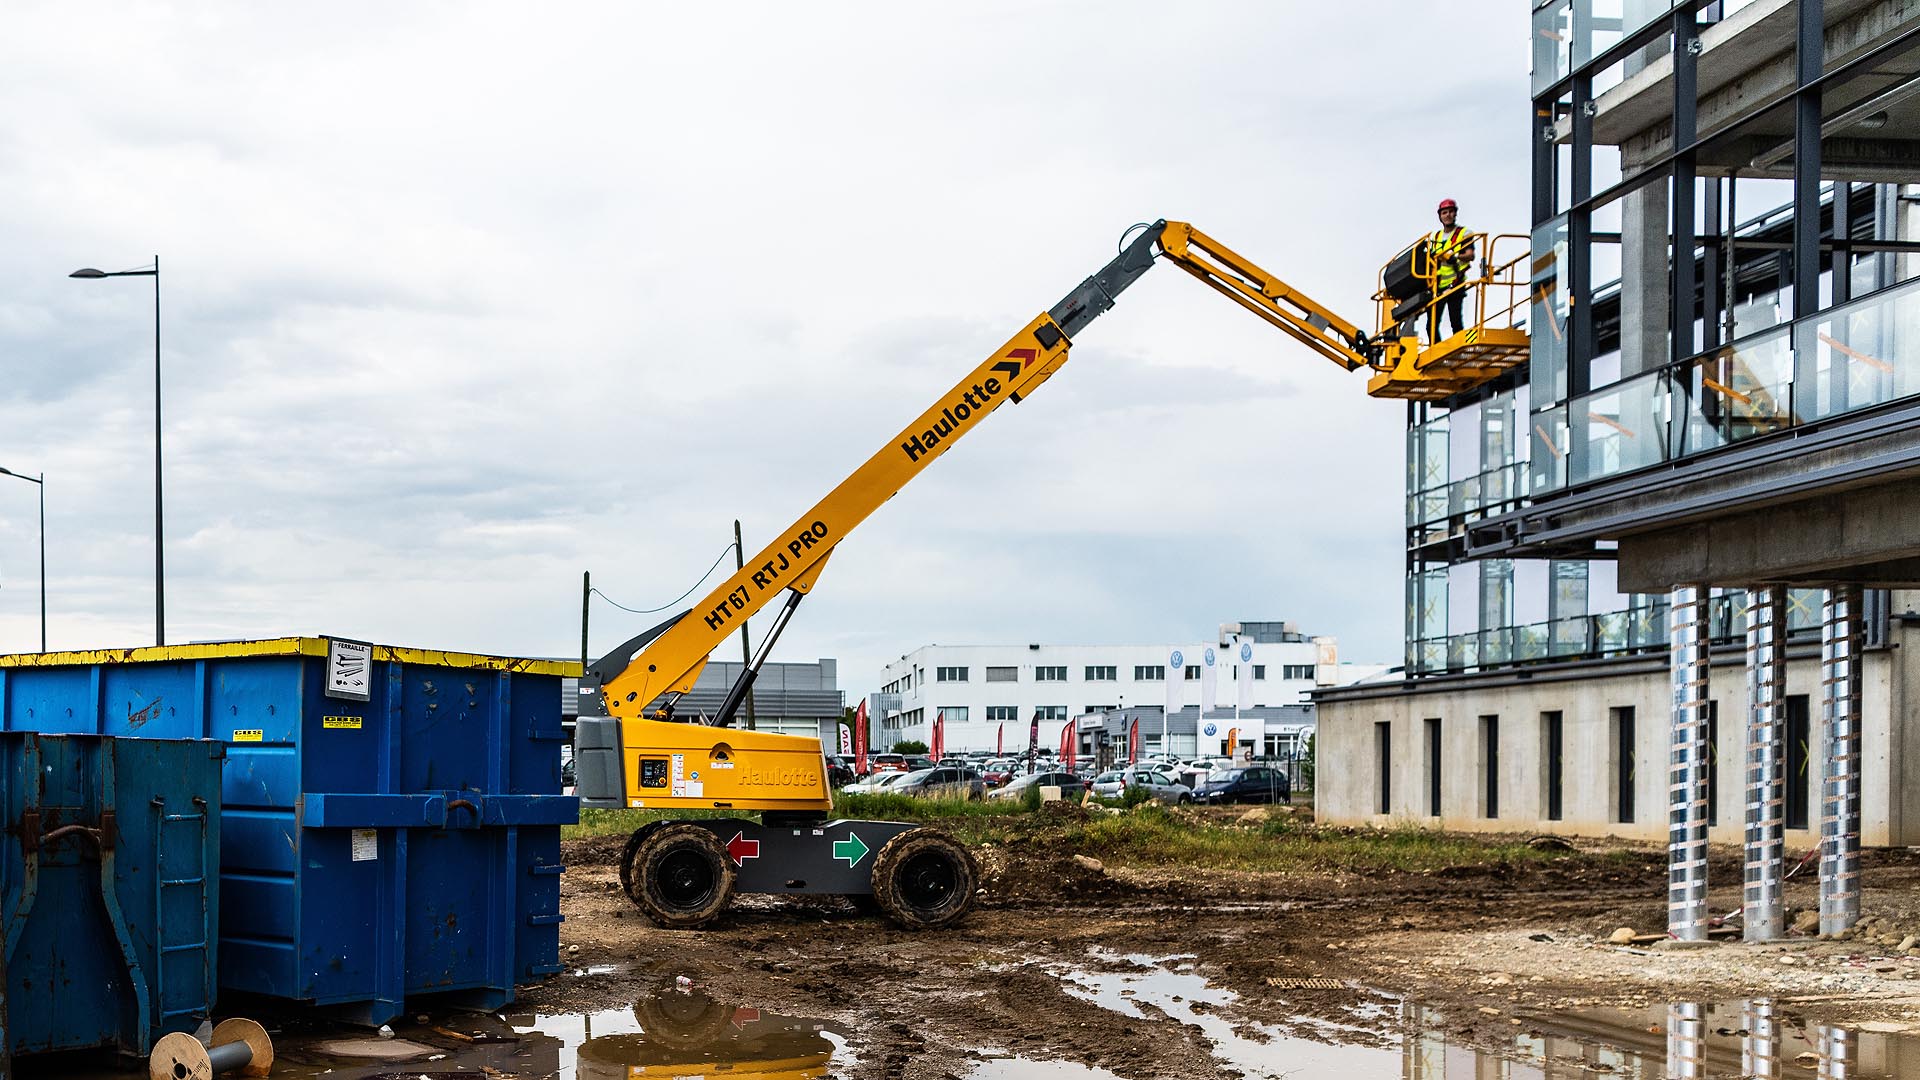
x: 1687, y: 765
x: 1686, y: 1041
x: 1762, y: 911
x: 1840, y: 769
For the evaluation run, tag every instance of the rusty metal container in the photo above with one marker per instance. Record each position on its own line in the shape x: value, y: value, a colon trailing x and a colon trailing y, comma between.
x: 391, y: 819
x: 109, y: 894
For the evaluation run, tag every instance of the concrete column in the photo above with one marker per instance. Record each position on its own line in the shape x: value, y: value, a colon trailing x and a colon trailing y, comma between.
x: 1687, y: 765
x: 1686, y: 1042
x: 1760, y: 1041
x: 1763, y: 912
x: 1840, y: 768
x: 1644, y: 301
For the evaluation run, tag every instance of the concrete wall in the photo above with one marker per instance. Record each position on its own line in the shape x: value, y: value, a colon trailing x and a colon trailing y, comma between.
x: 1348, y: 776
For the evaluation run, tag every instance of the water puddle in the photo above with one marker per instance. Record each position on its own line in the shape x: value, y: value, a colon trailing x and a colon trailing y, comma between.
x: 1728, y: 1041
x: 687, y: 1033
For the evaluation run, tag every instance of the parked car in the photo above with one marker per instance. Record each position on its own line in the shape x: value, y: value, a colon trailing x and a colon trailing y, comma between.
x: 875, y: 783
x: 999, y: 771
x: 1252, y: 784
x: 839, y: 771
x: 1158, y: 784
x: 920, y: 761
x: 1071, y: 786
x: 878, y: 763
x: 949, y: 782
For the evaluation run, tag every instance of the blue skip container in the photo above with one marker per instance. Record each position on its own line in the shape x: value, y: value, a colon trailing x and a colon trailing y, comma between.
x: 390, y: 826
x: 108, y: 891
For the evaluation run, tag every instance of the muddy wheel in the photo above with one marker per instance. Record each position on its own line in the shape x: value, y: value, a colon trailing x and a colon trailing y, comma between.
x: 677, y: 1019
x: 627, y: 854
x: 924, y: 879
x: 681, y: 875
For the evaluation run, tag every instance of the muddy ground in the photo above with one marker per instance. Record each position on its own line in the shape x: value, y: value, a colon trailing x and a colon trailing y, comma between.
x: 1489, y: 952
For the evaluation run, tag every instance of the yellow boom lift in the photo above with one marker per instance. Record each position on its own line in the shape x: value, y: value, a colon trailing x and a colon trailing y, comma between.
x: 684, y: 873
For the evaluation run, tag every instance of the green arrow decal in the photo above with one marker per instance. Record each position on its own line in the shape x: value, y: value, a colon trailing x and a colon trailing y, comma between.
x: 852, y: 849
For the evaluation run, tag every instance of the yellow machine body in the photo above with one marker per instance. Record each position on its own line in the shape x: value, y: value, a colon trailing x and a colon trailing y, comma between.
x: 697, y: 767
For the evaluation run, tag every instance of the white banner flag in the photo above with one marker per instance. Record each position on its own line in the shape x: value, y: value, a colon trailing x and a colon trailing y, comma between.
x: 1176, y: 683
x: 1209, y: 671
x: 1245, y: 657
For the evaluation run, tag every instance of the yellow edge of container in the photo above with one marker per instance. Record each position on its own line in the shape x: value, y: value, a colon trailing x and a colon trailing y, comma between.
x: 285, y: 646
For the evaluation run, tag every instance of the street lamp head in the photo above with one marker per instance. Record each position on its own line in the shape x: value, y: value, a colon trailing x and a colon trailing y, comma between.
x: 89, y: 272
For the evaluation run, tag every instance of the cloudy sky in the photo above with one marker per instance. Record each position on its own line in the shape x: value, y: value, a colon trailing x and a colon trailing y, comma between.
x: 461, y: 300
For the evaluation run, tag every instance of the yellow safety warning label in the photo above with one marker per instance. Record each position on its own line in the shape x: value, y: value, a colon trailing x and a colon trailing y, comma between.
x: 248, y: 735
x: 341, y: 722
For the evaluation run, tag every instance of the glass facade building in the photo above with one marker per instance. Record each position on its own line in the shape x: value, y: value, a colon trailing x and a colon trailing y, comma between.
x: 1724, y: 207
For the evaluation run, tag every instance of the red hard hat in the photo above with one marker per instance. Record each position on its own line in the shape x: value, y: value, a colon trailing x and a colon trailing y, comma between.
x: 1446, y: 204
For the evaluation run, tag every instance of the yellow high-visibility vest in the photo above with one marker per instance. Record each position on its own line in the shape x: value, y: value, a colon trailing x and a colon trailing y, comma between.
x: 1443, y: 248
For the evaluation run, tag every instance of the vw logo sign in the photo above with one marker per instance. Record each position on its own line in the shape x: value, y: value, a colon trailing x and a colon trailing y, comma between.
x: 1246, y: 653
x: 1209, y: 655
x: 1211, y: 729
x: 1176, y: 660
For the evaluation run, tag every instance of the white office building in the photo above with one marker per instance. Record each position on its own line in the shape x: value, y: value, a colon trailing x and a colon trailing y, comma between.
x: 989, y: 695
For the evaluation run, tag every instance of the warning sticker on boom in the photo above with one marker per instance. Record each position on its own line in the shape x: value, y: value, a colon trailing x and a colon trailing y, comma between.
x: 341, y: 723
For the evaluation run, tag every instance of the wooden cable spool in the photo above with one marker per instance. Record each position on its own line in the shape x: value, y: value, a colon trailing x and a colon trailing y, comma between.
x: 238, y: 1043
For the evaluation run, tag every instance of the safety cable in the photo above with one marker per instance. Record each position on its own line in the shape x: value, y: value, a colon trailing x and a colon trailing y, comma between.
x: 676, y: 600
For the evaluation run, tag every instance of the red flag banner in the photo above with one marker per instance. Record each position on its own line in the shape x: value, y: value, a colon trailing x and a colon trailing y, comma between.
x: 860, y: 739
x: 1133, y: 740
x: 1068, y: 744
x: 939, y: 735
x: 1000, y: 741
x: 1233, y: 743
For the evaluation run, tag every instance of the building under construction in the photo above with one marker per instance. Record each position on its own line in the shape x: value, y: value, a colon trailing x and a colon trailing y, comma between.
x: 1654, y: 577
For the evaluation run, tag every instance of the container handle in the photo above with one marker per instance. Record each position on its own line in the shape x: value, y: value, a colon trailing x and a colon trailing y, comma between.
x: 32, y: 839
x: 460, y: 804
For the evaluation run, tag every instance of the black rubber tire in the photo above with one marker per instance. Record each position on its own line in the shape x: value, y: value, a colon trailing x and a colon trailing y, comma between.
x: 924, y: 879
x: 681, y: 875
x: 627, y: 854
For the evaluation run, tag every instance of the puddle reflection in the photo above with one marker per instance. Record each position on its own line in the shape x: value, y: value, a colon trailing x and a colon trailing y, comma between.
x: 676, y: 1034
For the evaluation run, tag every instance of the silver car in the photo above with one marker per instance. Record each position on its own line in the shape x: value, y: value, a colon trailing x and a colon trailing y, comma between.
x: 945, y: 782
x: 1157, y: 784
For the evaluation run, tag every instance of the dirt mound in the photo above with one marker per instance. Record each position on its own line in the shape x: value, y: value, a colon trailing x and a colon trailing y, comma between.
x: 593, y: 850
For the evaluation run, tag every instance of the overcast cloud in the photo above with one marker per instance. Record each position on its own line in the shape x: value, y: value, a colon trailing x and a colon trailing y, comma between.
x: 461, y: 300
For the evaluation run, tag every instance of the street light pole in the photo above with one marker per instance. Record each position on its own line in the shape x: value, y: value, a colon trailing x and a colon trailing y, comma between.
x: 159, y: 543
x: 40, y: 482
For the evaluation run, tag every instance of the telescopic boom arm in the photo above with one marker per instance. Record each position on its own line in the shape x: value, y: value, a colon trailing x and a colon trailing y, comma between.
x: 667, y: 659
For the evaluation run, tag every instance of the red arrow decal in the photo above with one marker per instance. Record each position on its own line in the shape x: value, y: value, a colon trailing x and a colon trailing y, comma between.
x: 740, y: 849
x: 1025, y: 356
x: 742, y: 1017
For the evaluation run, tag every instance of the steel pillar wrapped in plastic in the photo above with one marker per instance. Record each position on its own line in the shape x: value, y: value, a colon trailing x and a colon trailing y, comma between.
x: 391, y: 815
x: 109, y: 897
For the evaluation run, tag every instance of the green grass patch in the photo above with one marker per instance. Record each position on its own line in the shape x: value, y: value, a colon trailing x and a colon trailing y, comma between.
x: 1152, y: 835
x: 601, y: 822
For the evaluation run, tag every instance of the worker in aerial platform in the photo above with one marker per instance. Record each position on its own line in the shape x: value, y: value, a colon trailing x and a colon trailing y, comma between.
x: 1450, y: 250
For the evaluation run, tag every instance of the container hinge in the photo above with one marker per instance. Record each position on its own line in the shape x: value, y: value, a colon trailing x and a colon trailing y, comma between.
x: 554, y: 919
x: 553, y: 868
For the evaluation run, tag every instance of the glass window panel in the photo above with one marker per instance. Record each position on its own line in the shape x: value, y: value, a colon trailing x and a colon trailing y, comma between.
x: 1552, y: 43
x: 1620, y: 429
x: 1547, y: 314
x: 1860, y: 354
